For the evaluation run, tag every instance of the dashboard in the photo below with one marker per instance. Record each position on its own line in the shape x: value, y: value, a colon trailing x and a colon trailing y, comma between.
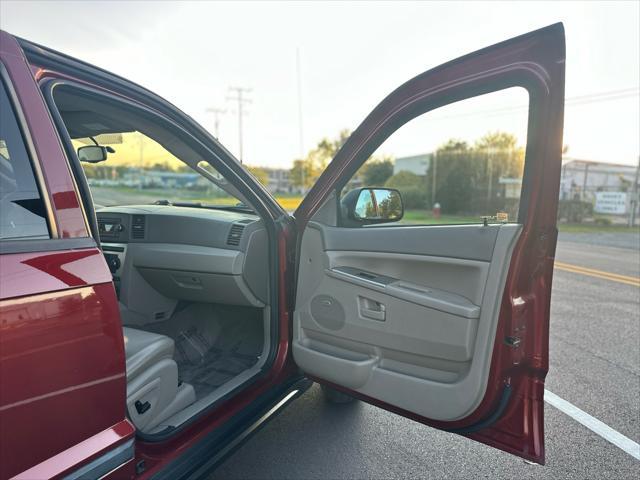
x: 162, y: 254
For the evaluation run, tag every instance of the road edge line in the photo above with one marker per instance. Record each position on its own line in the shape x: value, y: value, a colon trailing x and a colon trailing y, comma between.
x: 600, y: 428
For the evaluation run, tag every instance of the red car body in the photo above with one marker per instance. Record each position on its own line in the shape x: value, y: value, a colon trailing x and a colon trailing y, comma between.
x: 62, y: 363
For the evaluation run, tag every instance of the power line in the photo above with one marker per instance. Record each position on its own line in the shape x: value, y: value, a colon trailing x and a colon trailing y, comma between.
x: 242, y: 100
x: 569, y: 102
x: 217, y: 112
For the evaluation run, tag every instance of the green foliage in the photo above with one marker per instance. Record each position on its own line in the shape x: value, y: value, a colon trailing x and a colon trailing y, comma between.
x: 603, y: 221
x: 375, y: 172
x: 468, y: 177
x: 414, y: 197
x: 307, y: 170
x: 260, y: 173
x: 455, y: 172
x: 303, y: 174
x: 403, y: 180
x: 389, y: 206
x: 411, y: 187
x: 574, y: 211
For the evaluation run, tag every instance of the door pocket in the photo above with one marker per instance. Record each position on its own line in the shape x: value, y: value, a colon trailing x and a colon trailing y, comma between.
x: 350, y: 369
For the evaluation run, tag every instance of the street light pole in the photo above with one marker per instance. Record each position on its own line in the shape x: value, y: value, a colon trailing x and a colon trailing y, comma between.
x: 300, y: 130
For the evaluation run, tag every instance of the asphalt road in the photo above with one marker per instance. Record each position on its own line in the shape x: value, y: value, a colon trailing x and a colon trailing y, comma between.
x: 594, y: 364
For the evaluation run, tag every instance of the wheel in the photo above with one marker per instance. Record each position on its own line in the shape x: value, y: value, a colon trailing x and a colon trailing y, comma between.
x: 335, y: 396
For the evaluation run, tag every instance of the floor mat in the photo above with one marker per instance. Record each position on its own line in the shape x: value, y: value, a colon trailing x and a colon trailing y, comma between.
x: 213, y: 343
x: 207, y: 366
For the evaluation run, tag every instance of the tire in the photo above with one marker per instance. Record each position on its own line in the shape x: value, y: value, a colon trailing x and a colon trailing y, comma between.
x: 332, y: 395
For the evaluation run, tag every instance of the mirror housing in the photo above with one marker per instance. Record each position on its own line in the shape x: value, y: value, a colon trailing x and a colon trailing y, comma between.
x: 367, y: 206
x: 93, y: 153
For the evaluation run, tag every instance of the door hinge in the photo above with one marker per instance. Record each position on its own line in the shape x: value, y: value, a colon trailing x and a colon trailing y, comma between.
x: 140, y: 467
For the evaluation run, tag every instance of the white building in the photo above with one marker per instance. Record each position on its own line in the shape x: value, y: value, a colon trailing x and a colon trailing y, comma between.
x: 418, y: 164
x: 581, y: 179
x: 279, y: 182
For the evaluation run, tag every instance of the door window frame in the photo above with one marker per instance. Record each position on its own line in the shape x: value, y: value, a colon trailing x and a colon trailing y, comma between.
x: 339, y: 187
x: 21, y: 245
x: 47, y: 86
x: 415, y: 98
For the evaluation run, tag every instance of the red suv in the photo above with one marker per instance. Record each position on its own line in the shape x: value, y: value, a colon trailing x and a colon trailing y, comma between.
x: 146, y: 336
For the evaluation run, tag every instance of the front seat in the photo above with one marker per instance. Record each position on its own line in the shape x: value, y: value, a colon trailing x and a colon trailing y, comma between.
x: 153, y: 391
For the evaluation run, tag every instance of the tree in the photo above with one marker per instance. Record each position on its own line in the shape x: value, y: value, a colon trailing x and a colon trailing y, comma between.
x: 260, y: 173
x: 161, y: 167
x: 303, y: 174
x: 507, y: 159
x: 327, y: 149
x: 412, y: 188
x: 455, y: 176
x: 376, y: 172
x: 468, y: 178
x: 389, y: 206
x: 306, y: 171
x: 404, y: 179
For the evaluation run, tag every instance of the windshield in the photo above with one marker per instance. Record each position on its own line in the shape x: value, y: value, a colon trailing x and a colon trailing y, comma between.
x: 138, y: 170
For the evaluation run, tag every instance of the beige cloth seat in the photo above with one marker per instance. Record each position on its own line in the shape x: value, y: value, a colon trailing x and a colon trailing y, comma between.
x: 153, y: 393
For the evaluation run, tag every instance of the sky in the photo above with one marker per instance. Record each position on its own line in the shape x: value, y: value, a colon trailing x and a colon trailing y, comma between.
x: 351, y: 56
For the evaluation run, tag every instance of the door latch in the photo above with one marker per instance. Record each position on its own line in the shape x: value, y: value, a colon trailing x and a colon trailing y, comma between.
x: 513, y: 342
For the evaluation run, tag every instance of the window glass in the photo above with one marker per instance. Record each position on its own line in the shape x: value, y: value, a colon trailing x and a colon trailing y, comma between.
x: 456, y: 164
x: 22, y: 211
x: 139, y: 170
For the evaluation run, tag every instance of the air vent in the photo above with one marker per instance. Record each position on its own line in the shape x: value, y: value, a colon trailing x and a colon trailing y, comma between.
x: 138, y: 226
x: 235, y: 234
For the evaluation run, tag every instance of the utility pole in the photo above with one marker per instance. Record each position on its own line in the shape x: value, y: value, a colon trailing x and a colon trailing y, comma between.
x: 300, y: 130
x: 242, y: 100
x: 434, y: 171
x: 634, y: 199
x: 490, y: 174
x: 216, y: 118
x: 584, y: 182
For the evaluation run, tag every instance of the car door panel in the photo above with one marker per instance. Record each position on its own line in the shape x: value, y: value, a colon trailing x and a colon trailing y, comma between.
x: 447, y: 325
x: 62, y: 398
x: 436, y: 340
x: 457, y: 241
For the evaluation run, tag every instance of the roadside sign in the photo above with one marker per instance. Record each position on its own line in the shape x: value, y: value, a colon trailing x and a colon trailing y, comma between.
x: 614, y: 203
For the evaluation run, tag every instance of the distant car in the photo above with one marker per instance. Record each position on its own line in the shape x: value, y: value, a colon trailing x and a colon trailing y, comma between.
x: 148, y: 339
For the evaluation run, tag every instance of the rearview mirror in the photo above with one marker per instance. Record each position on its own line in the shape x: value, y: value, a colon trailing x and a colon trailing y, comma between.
x: 367, y: 206
x: 92, y: 154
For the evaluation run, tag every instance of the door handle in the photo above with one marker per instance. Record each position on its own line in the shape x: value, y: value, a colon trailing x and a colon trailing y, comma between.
x: 374, y: 314
x: 372, y: 309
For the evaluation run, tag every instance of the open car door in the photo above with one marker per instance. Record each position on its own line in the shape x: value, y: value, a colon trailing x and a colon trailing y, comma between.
x: 444, y: 324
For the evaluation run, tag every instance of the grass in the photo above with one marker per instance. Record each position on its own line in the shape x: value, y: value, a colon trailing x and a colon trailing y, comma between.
x: 592, y: 228
x: 425, y: 217
x: 121, y: 195
x: 289, y: 203
x: 124, y: 195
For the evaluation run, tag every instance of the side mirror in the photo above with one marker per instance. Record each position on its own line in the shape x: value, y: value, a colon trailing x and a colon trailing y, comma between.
x: 92, y: 153
x: 366, y: 206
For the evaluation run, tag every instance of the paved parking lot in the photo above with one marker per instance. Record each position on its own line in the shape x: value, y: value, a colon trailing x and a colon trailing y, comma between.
x: 594, y: 364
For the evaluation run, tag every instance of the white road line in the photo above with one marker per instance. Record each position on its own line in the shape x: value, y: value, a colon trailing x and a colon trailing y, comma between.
x: 593, y: 424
